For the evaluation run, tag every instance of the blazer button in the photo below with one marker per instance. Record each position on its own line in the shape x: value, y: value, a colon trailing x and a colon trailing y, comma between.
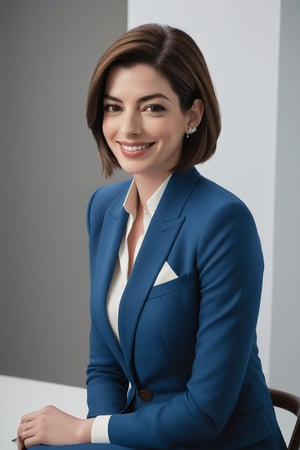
x: 145, y: 395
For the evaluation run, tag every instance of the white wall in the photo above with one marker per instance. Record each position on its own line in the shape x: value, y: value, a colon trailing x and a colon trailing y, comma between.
x: 285, y: 364
x: 240, y: 40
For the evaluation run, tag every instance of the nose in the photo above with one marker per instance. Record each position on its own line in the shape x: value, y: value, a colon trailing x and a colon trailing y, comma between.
x: 131, y: 123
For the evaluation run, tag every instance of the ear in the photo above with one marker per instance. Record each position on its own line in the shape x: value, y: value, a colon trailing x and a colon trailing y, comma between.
x: 195, y: 113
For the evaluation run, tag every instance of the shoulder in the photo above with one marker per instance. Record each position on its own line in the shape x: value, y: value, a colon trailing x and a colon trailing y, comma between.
x: 222, y: 226
x: 208, y: 197
x: 200, y: 190
x: 215, y: 194
x: 213, y: 207
x: 107, y: 196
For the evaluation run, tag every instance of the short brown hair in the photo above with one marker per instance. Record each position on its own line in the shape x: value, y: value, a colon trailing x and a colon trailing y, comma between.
x: 178, y: 58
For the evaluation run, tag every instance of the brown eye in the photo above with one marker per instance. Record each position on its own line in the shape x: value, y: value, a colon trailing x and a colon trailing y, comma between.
x: 154, y: 108
x: 111, y: 108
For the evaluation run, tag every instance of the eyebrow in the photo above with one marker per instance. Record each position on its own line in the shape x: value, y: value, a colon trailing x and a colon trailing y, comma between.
x: 146, y: 98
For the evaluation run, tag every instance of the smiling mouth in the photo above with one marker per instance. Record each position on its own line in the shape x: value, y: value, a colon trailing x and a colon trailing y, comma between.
x: 134, y: 148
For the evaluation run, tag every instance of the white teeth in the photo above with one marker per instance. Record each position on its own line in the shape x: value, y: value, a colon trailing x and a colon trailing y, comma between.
x: 134, y: 148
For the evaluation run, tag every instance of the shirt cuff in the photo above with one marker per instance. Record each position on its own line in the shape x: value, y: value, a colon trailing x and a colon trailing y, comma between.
x: 99, y: 433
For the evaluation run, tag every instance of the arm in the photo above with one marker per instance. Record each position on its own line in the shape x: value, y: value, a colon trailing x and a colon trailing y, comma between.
x: 107, y: 393
x: 230, y: 267
x: 106, y: 383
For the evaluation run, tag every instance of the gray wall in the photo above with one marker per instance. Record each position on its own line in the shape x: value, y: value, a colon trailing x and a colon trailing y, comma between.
x: 49, y: 167
x: 285, y: 365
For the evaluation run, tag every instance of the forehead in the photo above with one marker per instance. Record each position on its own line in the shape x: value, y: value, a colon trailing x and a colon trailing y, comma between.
x: 136, y: 79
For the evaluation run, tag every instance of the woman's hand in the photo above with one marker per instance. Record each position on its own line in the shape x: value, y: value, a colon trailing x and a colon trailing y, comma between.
x: 51, y: 426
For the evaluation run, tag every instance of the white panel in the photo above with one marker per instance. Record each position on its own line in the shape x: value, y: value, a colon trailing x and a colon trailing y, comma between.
x: 240, y: 40
x: 285, y: 363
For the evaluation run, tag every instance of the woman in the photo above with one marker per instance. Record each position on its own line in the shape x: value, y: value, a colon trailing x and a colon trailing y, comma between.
x: 176, y: 269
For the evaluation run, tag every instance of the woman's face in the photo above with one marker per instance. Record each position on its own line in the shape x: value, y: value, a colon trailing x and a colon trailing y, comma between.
x: 142, y: 123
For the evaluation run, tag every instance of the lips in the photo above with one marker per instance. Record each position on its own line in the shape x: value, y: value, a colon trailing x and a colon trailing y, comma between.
x: 134, y: 150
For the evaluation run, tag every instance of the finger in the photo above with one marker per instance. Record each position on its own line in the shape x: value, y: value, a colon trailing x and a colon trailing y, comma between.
x: 31, y: 416
x: 25, y: 431
x: 24, y: 428
x: 28, y: 417
x: 32, y: 441
x: 20, y: 444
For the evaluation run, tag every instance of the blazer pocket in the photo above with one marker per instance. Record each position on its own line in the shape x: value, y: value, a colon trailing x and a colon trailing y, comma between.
x: 172, y: 286
x: 166, y: 274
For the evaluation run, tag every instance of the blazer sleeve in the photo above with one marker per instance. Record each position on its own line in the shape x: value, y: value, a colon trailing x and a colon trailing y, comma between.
x: 106, y: 383
x: 230, y: 267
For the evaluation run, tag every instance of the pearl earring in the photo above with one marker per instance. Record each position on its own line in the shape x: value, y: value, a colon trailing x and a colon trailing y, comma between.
x: 190, y: 131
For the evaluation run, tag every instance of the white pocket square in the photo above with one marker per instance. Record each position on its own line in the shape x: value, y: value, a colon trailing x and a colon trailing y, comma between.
x: 166, y: 274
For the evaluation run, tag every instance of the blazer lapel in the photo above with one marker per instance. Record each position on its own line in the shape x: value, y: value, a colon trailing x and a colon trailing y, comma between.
x: 159, y: 239
x: 111, y: 235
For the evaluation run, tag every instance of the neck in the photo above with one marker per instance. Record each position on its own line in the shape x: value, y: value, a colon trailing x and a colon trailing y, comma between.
x: 147, y: 186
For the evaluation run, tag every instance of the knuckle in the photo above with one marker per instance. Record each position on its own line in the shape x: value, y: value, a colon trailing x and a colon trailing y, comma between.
x: 21, y: 433
x: 23, y: 419
x: 28, y: 442
x: 48, y: 408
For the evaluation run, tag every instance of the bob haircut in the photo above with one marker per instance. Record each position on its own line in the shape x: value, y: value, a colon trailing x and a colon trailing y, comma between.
x: 176, y: 56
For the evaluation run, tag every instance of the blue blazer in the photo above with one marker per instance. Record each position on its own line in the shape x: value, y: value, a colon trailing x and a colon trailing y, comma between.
x: 188, y: 346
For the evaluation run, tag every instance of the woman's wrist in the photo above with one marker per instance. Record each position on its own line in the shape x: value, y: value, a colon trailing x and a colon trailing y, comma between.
x: 84, y: 431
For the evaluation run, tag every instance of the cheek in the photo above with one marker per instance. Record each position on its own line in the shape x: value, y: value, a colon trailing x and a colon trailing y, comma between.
x: 173, y: 135
x: 170, y: 130
x: 108, y: 128
x: 161, y: 130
